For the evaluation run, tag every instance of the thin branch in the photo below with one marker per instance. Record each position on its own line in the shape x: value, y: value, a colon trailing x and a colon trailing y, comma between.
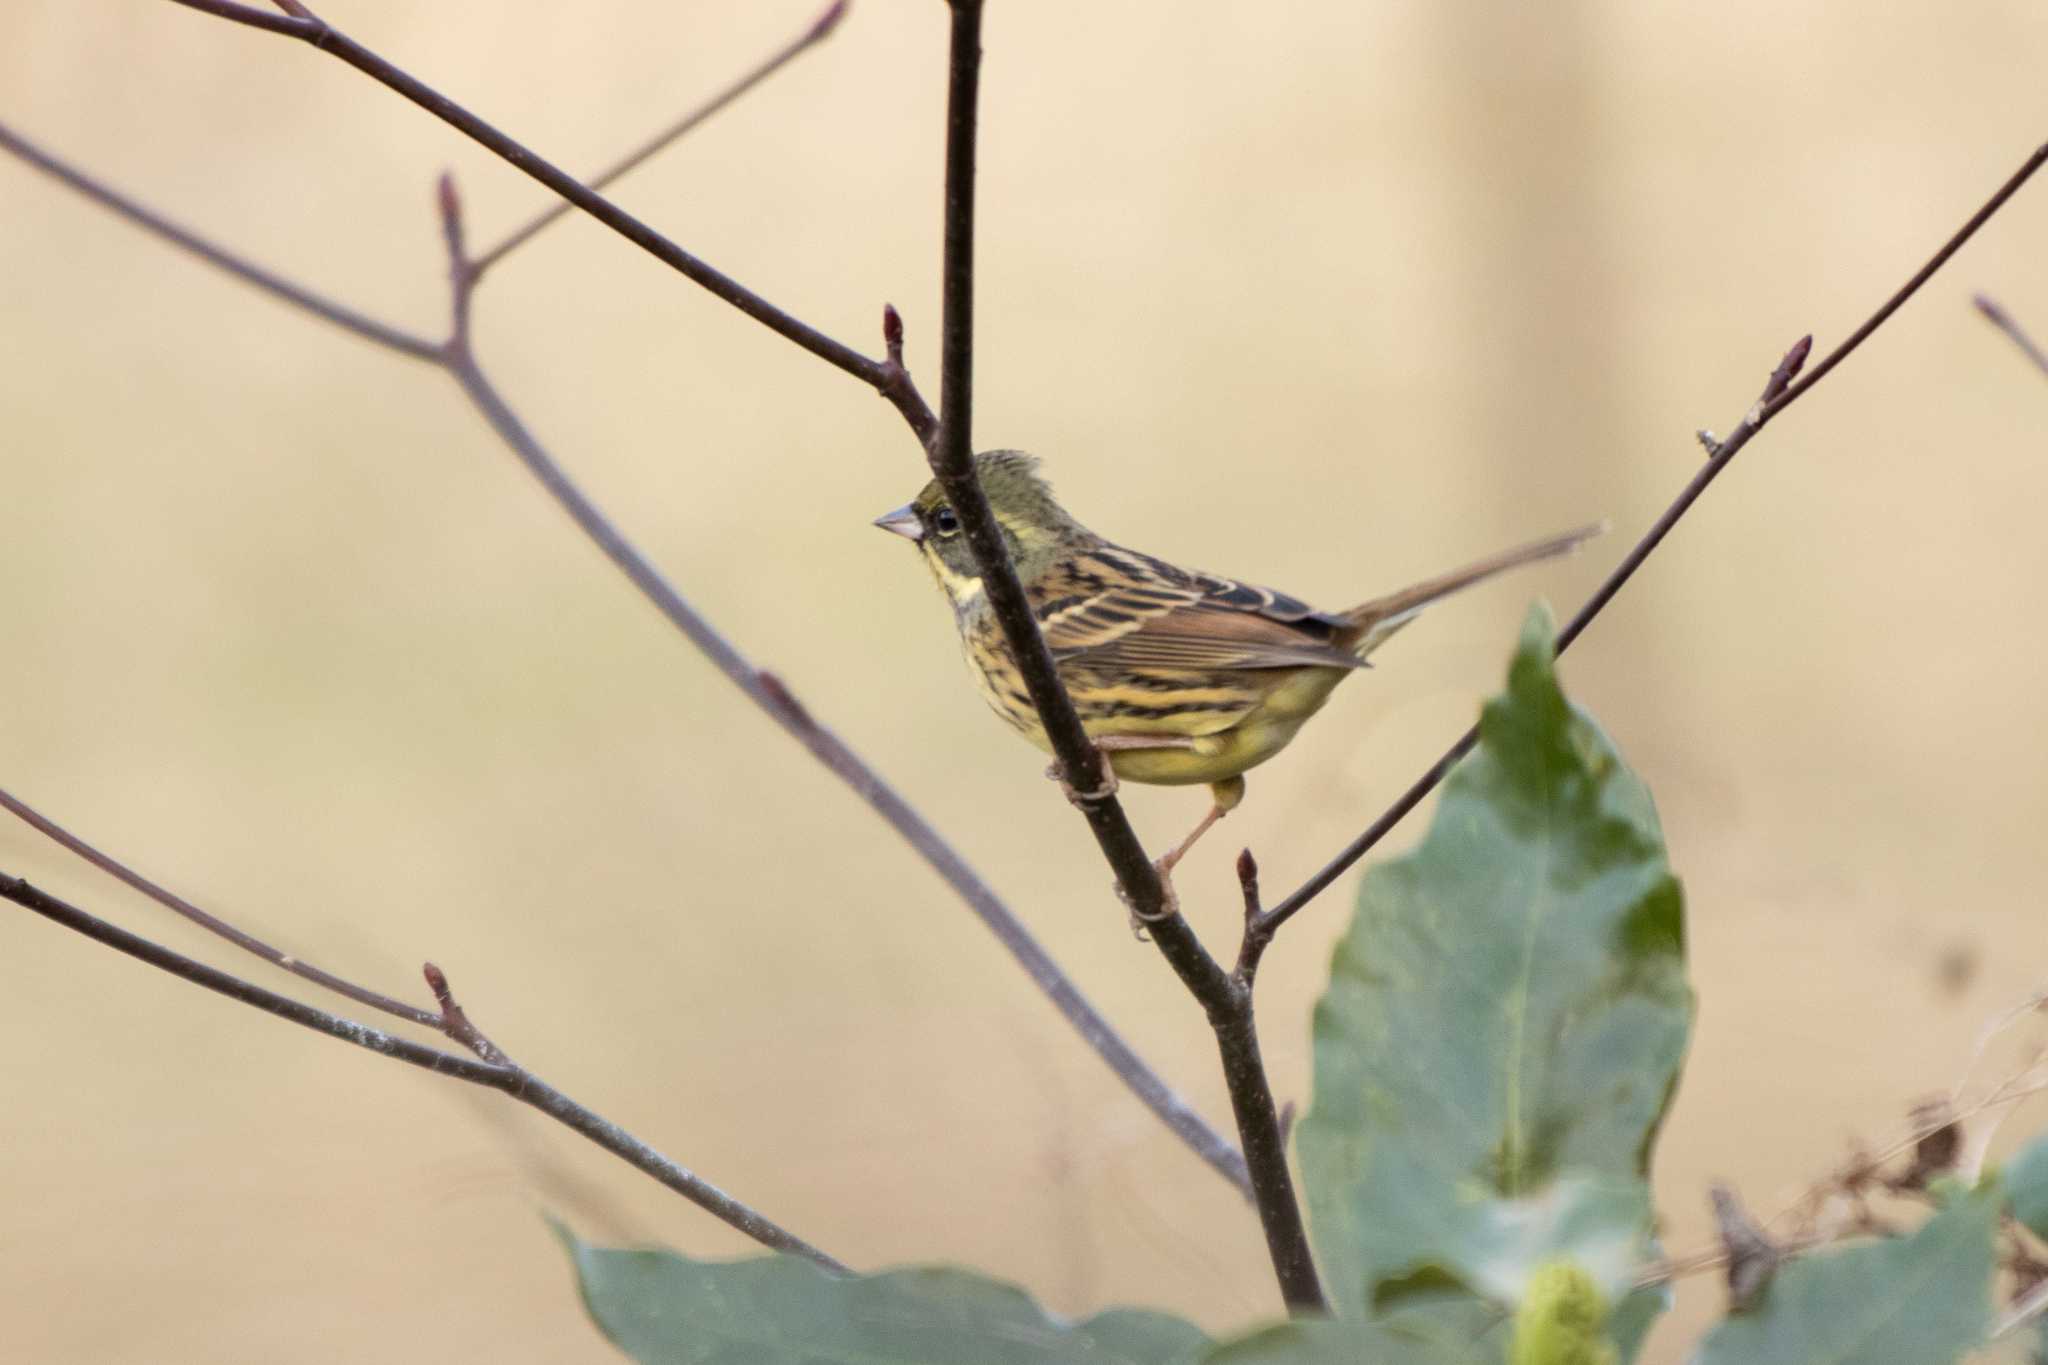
x: 1263, y: 1126
x: 498, y: 1074
x: 814, y: 33
x: 1227, y: 1002
x: 348, y: 319
x: 763, y: 688
x: 304, y: 25
x: 2005, y: 323
x: 1780, y: 393
x: 213, y: 924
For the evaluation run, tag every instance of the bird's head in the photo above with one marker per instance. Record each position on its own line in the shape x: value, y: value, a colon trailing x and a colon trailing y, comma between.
x: 1035, y: 527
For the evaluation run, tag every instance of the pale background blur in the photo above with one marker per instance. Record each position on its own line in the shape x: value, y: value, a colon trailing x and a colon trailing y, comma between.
x: 1325, y: 295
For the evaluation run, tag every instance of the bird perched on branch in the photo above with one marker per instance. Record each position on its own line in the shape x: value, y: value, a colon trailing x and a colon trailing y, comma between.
x: 1179, y: 677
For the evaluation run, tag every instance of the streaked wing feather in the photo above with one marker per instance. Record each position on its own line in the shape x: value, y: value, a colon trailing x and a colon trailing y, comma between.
x: 1128, y: 609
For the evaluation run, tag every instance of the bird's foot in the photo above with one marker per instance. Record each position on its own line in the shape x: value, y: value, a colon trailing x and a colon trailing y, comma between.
x: 1169, y: 902
x: 1082, y: 798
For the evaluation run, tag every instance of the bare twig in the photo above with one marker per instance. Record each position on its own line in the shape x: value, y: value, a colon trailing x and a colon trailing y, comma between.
x: 2005, y: 323
x: 814, y: 33
x: 1227, y: 1001
x: 762, y: 688
x: 171, y: 901
x: 1780, y: 392
x: 348, y: 319
x: 455, y: 1021
x: 308, y: 27
x: 494, y: 1071
x: 1252, y: 947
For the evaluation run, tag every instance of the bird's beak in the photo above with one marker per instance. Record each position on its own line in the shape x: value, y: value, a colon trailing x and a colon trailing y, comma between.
x: 903, y: 521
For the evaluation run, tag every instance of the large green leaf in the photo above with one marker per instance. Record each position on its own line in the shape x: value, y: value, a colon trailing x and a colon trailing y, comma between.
x: 1503, y: 1029
x: 1918, y: 1300
x: 664, y: 1309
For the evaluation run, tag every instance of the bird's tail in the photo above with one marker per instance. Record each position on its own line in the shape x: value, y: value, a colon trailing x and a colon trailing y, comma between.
x: 1369, y: 624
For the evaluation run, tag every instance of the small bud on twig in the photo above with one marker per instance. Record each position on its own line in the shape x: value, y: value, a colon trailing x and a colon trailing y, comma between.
x: 449, y: 202
x: 892, y: 333
x: 1788, y: 369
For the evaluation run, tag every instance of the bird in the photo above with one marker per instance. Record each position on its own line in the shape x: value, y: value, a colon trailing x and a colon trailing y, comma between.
x: 1179, y: 677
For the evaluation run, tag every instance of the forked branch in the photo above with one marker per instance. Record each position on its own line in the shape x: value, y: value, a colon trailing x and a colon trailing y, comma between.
x: 493, y: 1069
x: 767, y: 691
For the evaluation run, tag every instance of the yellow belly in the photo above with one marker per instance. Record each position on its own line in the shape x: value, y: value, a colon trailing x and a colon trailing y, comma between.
x: 1272, y: 705
x: 1264, y: 730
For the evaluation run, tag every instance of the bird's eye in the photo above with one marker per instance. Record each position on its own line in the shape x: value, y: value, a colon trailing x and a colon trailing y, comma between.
x: 944, y: 522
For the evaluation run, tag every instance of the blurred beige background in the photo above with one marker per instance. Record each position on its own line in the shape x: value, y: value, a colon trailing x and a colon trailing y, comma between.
x: 1328, y: 295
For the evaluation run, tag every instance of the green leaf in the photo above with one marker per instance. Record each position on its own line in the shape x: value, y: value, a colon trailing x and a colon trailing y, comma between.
x: 1918, y: 1300
x: 2026, y: 1184
x: 661, y: 1308
x: 1503, y: 1029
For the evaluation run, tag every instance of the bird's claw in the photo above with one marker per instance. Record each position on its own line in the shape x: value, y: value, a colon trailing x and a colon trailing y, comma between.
x: 1169, y: 902
x: 1080, y: 798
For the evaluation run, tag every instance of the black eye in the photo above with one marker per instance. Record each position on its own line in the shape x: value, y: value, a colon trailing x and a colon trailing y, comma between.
x: 944, y: 522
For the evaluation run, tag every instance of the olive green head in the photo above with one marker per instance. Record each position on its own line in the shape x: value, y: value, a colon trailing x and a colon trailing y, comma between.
x: 1035, y: 527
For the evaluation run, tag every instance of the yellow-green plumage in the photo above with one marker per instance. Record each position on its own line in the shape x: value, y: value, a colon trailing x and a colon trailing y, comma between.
x: 1181, y: 677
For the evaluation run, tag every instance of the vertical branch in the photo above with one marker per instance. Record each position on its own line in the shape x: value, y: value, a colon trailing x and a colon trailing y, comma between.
x: 1227, y: 1002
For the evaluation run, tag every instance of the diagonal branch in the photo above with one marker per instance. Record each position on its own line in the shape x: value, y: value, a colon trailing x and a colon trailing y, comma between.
x: 1226, y: 1000
x: 495, y: 1071
x: 816, y: 32
x: 1780, y: 393
x: 303, y: 24
x: 763, y: 688
x: 213, y: 924
x: 348, y: 319
x: 2005, y: 322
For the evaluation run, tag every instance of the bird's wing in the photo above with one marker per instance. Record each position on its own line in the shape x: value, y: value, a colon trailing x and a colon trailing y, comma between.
x: 1115, y: 606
